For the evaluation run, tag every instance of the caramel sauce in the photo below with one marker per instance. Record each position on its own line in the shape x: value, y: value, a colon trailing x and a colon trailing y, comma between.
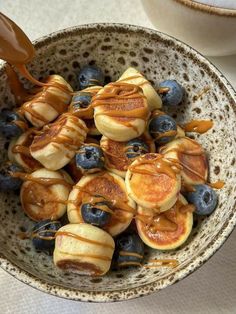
x: 80, y: 238
x: 17, y: 49
x: 124, y: 253
x: 40, y: 180
x: 121, y: 101
x: 123, y: 264
x: 134, y: 77
x: 51, y: 134
x: 217, y: 185
x: 163, y: 90
x: 17, y: 88
x: 160, y: 166
x: 115, y: 204
x: 197, y: 152
x: 15, y: 46
x: 21, y: 124
x: 21, y: 149
x: 167, y: 133
x: 162, y: 262
x: 198, y: 126
x: 164, y: 222
x: 102, y: 257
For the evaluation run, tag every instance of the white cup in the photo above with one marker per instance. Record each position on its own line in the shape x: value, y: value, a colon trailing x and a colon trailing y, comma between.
x: 209, y: 29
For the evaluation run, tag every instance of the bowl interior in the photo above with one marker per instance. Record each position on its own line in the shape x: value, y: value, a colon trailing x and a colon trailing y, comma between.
x: 159, y: 57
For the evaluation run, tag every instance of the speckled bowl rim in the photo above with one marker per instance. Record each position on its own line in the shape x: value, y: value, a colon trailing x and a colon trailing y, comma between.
x: 209, y: 9
x: 188, y: 267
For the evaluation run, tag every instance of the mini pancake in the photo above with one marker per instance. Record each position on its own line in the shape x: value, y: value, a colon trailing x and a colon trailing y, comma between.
x: 133, y: 76
x: 168, y: 230
x: 47, y: 102
x: 120, y: 111
x: 192, y: 158
x: 44, y: 193
x: 58, y: 143
x: 115, y: 157
x: 153, y: 182
x: 19, y: 152
x: 110, y: 187
x: 83, y: 249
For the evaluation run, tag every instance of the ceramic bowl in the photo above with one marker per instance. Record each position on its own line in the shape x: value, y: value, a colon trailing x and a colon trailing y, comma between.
x: 209, y: 29
x: 114, y: 48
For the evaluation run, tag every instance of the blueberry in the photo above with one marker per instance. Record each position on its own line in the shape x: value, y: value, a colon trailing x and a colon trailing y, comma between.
x: 129, y: 250
x: 81, y: 100
x: 94, y: 213
x: 89, y: 157
x: 135, y: 148
x: 8, y: 128
x: 162, y: 128
x: 174, y: 92
x: 43, y: 235
x: 7, y: 182
x: 90, y: 75
x: 204, y: 198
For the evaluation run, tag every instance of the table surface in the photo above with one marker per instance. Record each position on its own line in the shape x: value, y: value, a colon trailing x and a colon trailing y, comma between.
x: 212, y: 288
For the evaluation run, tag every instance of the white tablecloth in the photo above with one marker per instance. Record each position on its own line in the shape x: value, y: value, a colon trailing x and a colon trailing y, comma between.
x: 211, y: 289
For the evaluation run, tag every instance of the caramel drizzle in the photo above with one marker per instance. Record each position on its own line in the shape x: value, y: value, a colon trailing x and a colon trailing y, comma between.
x: 80, y: 238
x: 198, y: 126
x: 159, y: 263
x: 160, y: 166
x: 101, y: 257
x: 125, y: 253
x: 165, y: 134
x: 197, y: 152
x: 162, y: 222
x: 43, y: 181
x: 120, y: 91
x: 47, y: 95
x: 135, y: 77
x: 112, y: 207
x: 71, y: 143
x: 21, y: 149
x: 21, y: 124
x: 162, y: 262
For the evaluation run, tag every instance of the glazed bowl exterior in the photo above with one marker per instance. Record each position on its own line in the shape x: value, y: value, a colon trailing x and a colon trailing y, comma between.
x: 114, y: 47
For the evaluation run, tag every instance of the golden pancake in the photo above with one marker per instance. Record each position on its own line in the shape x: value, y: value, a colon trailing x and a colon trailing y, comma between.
x: 83, y: 249
x: 168, y: 230
x: 153, y: 182
x: 192, y: 158
x: 120, y: 111
x: 19, y: 152
x: 116, y: 159
x: 59, y: 141
x: 47, y: 102
x: 110, y: 187
x: 44, y: 193
x: 133, y: 76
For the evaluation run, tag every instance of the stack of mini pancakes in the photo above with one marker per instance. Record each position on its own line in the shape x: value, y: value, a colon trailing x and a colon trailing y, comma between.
x: 146, y: 188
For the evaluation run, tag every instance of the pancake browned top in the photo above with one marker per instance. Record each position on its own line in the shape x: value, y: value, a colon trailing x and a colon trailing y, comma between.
x: 123, y: 102
x: 106, y: 186
x: 115, y: 152
x: 153, y: 178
